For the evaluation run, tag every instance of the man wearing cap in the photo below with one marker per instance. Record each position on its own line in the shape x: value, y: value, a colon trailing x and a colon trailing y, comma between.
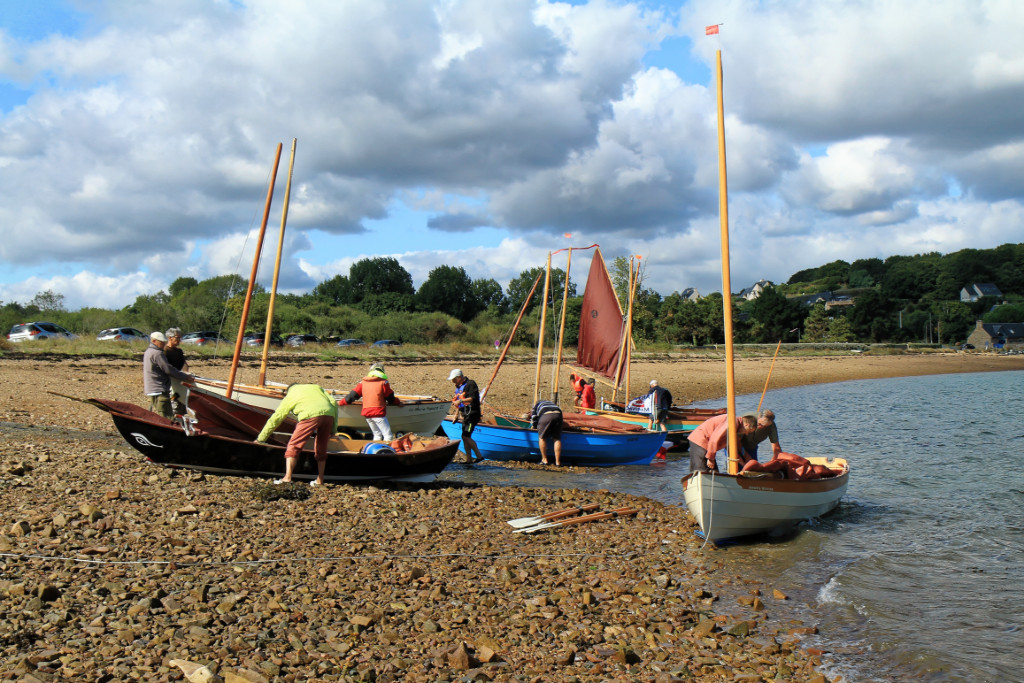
x: 376, y: 393
x: 467, y: 401
x: 176, y: 357
x: 156, y: 375
x: 661, y: 403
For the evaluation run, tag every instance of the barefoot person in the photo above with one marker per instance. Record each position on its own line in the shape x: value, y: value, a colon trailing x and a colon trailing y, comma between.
x: 547, y: 418
x: 467, y: 402
x: 317, y: 414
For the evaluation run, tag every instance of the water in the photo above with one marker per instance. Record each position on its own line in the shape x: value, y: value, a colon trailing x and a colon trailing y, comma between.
x: 919, y: 574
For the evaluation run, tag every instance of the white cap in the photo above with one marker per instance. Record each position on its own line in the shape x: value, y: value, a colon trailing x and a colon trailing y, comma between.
x: 654, y: 382
x: 158, y: 336
x: 454, y: 373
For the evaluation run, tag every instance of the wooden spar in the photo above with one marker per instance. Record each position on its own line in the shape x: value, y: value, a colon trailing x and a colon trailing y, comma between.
x: 540, y: 336
x: 628, y: 346
x: 277, y: 268
x: 561, y: 328
x: 723, y: 212
x: 769, y: 377
x: 252, y: 276
x: 512, y: 336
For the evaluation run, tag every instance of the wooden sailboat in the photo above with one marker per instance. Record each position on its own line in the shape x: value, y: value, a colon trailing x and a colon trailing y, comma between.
x: 586, y: 440
x: 604, y: 349
x: 417, y: 414
x: 731, y: 505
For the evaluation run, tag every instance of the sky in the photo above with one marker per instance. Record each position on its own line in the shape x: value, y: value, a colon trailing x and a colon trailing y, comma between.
x: 137, y: 137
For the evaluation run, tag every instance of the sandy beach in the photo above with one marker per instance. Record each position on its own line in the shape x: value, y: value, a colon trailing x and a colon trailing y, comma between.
x: 113, y: 569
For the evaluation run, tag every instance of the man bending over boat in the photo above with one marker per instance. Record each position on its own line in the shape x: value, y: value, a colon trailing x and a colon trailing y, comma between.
x: 712, y: 436
x: 547, y: 418
x: 317, y: 414
x: 377, y: 394
x: 765, y: 429
x: 661, y: 403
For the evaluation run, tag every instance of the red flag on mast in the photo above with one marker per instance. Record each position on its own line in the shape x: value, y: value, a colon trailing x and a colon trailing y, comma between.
x: 711, y: 30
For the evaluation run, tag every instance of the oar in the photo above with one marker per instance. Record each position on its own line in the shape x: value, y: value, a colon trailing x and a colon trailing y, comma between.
x: 547, y: 517
x: 596, y: 517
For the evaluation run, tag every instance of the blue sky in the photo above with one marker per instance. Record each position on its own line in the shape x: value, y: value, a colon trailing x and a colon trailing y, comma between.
x: 136, y: 137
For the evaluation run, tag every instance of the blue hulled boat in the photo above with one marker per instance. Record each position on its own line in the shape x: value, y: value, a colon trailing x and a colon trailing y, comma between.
x: 498, y: 442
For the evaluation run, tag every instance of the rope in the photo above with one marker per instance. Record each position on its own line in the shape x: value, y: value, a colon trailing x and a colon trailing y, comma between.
x: 711, y: 513
x: 286, y: 560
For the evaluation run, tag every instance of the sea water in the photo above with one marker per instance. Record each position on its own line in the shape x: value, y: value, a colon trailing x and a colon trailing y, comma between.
x: 919, y: 574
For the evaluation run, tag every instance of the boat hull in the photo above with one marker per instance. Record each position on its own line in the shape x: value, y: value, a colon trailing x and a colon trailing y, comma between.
x: 217, y: 449
x: 498, y: 442
x: 728, y: 506
x: 417, y: 414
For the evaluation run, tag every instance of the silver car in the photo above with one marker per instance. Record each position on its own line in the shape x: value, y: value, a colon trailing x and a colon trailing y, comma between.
x: 38, y: 330
x: 127, y: 334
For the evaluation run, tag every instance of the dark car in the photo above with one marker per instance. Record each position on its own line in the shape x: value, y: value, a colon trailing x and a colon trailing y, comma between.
x: 351, y: 342
x: 127, y: 334
x: 302, y: 339
x: 386, y: 342
x: 203, y: 338
x: 965, y: 347
x: 256, y: 339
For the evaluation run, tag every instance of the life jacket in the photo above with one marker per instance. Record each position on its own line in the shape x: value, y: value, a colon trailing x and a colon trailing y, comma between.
x: 376, y: 392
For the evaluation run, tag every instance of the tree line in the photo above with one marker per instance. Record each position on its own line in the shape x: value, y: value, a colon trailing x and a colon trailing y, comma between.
x: 899, y: 299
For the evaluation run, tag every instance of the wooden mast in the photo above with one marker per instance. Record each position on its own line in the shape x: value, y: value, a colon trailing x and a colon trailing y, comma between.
x: 540, y: 336
x: 252, y: 276
x: 277, y: 269
x: 512, y: 336
x: 723, y: 212
x: 561, y: 328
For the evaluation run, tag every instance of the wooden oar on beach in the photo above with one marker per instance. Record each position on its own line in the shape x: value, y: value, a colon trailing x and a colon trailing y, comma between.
x: 595, y: 517
x: 523, y: 522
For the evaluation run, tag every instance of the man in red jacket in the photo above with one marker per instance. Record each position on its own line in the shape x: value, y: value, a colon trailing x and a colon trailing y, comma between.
x: 376, y: 394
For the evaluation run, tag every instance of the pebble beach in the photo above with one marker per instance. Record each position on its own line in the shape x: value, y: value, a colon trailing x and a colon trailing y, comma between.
x: 113, y: 569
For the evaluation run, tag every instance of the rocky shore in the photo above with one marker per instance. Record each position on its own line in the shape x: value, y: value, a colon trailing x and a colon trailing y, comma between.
x: 112, y: 569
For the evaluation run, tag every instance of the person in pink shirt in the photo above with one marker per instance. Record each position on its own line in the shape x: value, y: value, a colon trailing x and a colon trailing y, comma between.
x: 712, y: 436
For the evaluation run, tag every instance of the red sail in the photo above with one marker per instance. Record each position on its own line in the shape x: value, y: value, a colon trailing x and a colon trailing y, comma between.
x: 601, y: 322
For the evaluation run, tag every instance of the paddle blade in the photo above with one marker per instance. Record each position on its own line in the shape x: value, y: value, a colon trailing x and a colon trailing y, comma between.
x: 525, y: 522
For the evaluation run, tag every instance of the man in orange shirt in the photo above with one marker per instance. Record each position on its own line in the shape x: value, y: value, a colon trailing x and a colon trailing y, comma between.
x: 712, y: 436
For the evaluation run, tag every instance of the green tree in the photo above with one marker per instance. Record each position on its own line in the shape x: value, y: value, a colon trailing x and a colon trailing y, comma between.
x: 337, y: 290
x: 488, y: 293
x: 387, y: 302
x: 520, y: 286
x: 839, y: 329
x: 448, y: 289
x: 1007, y: 313
x: 774, y: 315
x: 182, y: 285
x: 816, y: 325
x: 49, y: 302
x: 379, y: 275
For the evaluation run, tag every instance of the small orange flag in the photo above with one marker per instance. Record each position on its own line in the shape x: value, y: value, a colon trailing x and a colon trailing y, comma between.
x: 711, y: 30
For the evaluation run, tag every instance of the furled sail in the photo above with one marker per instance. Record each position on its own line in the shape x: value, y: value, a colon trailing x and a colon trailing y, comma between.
x: 602, y: 323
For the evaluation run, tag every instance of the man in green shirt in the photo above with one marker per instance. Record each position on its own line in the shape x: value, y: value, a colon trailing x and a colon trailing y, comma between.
x: 317, y: 414
x: 766, y: 429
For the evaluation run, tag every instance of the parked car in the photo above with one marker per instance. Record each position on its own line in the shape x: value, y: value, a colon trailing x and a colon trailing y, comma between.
x: 38, y: 330
x: 965, y: 347
x: 386, y: 342
x: 122, y: 334
x: 351, y: 342
x: 302, y: 339
x: 256, y: 339
x: 202, y: 338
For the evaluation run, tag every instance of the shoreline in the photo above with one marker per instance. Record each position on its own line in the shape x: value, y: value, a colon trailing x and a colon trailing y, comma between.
x: 113, y: 569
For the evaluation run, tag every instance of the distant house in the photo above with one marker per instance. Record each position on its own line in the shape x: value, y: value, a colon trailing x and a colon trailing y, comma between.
x: 996, y: 335
x: 812, y: 299
x: 978, y: 290
x: 690, y: 294
x: 839, y: 302
x: 754, y: 291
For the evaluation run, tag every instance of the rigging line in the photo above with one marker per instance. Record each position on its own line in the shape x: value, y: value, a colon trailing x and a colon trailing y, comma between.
x: 289, y: 560
x: 711, y: 512
x: 238, y: 266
